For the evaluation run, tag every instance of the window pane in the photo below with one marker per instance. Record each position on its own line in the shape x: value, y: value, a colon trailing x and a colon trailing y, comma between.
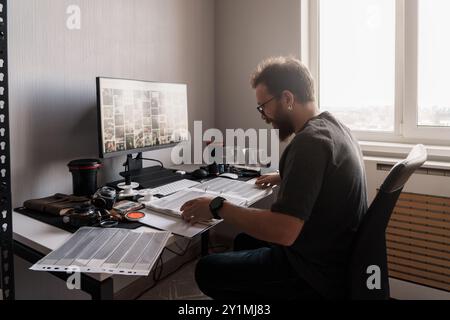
x: 357, y: 62
x: 434, y: 63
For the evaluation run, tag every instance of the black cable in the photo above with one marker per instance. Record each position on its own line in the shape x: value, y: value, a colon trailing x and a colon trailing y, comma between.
x: 157, y: 276
x: 178, y: 246
x: 183, y: 251
x: 166, y: 276
x: 154, y: 160
x: 156, y: 279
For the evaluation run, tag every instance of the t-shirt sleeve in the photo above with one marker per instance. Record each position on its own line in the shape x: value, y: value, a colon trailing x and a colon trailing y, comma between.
x: 303, y: 174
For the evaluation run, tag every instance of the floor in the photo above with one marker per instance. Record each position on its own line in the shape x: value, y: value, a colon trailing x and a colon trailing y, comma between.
x: 179, y: 286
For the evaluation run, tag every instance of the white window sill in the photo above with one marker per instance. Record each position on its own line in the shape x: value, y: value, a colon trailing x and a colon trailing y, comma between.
x: 395, y: 150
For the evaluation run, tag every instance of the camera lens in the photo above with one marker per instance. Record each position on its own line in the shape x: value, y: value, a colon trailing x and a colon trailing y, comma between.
x: 84, y: 209
x: 99, y: 203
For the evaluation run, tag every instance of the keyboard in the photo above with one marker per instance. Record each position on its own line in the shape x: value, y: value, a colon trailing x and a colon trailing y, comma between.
x: 174, y: 187
x: 154, y: 182
x: 152, y: 177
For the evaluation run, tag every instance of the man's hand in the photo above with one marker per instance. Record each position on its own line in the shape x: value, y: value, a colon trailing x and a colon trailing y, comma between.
x: 268, y: 180
x: 197, y: 210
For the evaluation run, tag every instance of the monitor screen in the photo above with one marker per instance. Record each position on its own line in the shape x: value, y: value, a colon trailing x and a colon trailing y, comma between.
x: 137, y: 116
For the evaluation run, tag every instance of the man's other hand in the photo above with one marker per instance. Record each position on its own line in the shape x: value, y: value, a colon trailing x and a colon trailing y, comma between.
x: 268, y: 180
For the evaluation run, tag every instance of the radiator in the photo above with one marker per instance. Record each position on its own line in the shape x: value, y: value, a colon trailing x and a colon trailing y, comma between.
x: 418, y: 240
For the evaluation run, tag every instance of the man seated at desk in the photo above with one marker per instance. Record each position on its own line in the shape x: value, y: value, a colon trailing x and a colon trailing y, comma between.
x: 300, y: 248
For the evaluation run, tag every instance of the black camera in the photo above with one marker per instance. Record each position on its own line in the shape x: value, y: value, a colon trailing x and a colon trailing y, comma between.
x: 82, y: 216
x: 104, y: 198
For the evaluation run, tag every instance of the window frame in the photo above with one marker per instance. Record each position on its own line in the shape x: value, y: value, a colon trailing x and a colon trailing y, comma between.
x: 406, y: 128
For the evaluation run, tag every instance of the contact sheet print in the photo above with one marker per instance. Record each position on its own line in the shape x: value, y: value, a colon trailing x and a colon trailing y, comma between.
x: 109, y: 251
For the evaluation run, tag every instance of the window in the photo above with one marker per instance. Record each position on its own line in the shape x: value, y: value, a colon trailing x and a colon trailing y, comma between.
x: 357, y: 62
x: 382, y: 66
x: 434, y: 63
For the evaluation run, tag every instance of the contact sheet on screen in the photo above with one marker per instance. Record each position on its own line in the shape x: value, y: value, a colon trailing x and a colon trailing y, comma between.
x: 110, y: 251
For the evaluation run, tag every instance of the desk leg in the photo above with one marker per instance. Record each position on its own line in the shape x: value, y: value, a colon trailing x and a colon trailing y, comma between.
x: 205, y: 243
x: 98, y: 290
x: 103, y: 290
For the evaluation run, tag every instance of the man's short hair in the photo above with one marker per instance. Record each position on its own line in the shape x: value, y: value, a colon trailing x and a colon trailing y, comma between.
x: 285, y: 73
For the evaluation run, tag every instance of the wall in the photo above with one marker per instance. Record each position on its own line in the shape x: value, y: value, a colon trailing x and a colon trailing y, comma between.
x: 53, y: 71
x: 248, y: 31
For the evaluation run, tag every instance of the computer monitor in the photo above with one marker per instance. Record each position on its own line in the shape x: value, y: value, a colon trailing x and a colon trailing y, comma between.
x: 137, y: 116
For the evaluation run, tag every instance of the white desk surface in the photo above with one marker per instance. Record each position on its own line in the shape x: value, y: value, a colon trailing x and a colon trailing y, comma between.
x: 45, y: 238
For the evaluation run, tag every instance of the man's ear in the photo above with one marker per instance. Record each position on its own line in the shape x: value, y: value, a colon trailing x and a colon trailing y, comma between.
x: 288, y: 98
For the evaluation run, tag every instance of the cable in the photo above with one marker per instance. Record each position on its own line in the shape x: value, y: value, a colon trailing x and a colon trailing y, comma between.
x: 165, y: 277
x: 157, y: 276
x: 183, y: 251
x: 156, y: 279
x: 154, y: 160
x: 178, y: 246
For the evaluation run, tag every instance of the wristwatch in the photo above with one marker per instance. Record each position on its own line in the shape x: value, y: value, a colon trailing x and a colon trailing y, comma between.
x: 215, y: 205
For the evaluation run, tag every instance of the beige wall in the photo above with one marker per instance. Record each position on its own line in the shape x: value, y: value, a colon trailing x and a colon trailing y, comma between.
x: 211, y: 45
x: 248, y: 31
x: 53, y: 71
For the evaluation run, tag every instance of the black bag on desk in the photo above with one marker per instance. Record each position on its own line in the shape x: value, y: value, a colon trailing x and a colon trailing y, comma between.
x: 58, y: 204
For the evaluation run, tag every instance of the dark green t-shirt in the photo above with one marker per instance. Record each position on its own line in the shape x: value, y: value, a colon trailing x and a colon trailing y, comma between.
x: 324, y: 184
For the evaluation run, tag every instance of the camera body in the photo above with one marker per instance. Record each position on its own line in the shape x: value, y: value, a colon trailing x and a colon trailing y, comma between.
x: 104, y: 198
x: 82, y: 216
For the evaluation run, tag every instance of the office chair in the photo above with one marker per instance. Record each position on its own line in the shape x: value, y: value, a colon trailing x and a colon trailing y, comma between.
x: 370, y: 242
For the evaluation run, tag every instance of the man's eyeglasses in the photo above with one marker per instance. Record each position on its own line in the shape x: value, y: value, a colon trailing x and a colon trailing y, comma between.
x: 261, y: 107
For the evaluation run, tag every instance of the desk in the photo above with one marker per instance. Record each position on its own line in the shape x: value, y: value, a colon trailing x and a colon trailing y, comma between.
x: 34, y: 239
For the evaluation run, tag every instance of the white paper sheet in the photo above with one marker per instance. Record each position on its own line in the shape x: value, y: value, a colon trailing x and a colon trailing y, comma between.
x: 165, y: 213
x: 246, y: 193
x: 172, y: 204
x: 237, y: 192
x: 175, y: 225
x: 110, y: 251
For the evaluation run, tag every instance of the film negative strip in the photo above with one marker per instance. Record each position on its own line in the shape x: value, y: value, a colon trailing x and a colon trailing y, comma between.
x: 6, y: 234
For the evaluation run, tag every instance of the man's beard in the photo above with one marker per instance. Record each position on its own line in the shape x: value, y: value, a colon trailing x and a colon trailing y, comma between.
x: 283, y: 123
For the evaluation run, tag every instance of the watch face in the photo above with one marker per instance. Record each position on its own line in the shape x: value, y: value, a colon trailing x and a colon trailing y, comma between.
x: 217, y: 203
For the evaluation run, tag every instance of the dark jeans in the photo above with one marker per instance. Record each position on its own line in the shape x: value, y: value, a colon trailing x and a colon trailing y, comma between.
x: 255, y: 270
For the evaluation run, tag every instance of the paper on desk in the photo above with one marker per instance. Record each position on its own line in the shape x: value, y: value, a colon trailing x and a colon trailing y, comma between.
x: 237, y: 192
x: 165, y: 213
x: 110, y: 251
x: 172, y: 204
x: 246, y: 193
x: 174, y: 224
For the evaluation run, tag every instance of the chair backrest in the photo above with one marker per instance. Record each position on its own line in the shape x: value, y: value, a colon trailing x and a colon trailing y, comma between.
x: 369, y: 279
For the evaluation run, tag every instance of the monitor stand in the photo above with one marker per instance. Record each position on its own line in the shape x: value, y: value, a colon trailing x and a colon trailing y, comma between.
x: 128, y: 187
x: 133, y: 164
x: 146, y: 178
